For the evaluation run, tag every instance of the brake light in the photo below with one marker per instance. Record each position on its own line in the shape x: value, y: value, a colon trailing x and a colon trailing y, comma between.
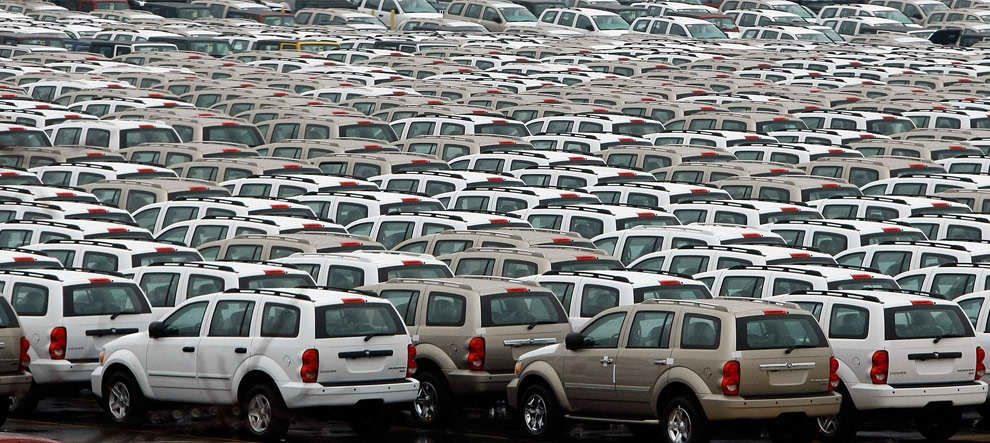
x: 164, y: 249
x: 800, y: 255
x: 364, y: 122
x: 352, y: 300
x: 922, y: 302
x: 917, y: 166
x: 730, y: 378
x: 562, y: 240
x: 833, y: 373
x: 709, y: 154
x: 280, y: 206
x: 412, y: 263
x: 496, y: 179
x: 274, y: 272
x: 752, y: 137
x: 410, y: 360
x: 476, y: 354
x: 789, y: 209
x: 956, y: 148
x: 97, y: 211
x: 347, y: 244
x: 889, y: 117
x: 881, y: 365
x: 116, y: 229
x: 348, y: 183
x: 981, y: 368
x: 94, y: 154
x: 25, y: 358
x: 23, y: 259
x: 645, y: 214
x: 197, y: 188
x: 58, y: 343
x: 752, y: 235
x: 228, y: 124
x: 867, y: 136
x: 626, y: 174
x: 99, y: 280
x: 940, y: 205
x: 699, y: 191
x: 584, y: 257
x: 516, y: 290
x: 16, y: 129
x: 891, y: 229
x: 669, y: 282
x: 8, y: 174
x: 775, y: 312
x: 146, y: 126
x: 310, y: 366
x: 861, y: 277
x: 830, y: 186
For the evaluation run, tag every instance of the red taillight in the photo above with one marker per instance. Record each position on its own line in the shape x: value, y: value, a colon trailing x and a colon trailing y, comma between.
x: 23, y: 259
x: 699, y: 191
x: 516, y: 290
x: 58, y: 342
x: 830, y: 186
x: 670, y: 282
x: 495, y: 179
x: 752, y: 235
x: 410, y: 360
x: 585, y: 257
x: 981, y: 368
x: 940, y: 205
x: 197, y: 188
x: 730, y: 378
x: 351, y: 300
x: 97, y: 211
x: 280, y: 206
x: 881, y: 365
x: 861, y: 277
x: 562, y: 240
x: 164, y: 249
x: 99, y: 281
x: 498, y: 221
x: 645, y: 214
x: 922, y: 302
x: 833, y: 374
x: 412, y: 263
x: 800, y: 255
x: 789, y: 209
x: 274, y: 272
x: 310, y: 366
x: 116, y: 229
x: 476, y: 354
x: 350, y: 244
x: 775, y: 312
x: 25, y: 358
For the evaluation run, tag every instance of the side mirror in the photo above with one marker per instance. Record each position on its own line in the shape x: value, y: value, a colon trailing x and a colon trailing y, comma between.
x: 156, y: 329
x: 574, y: 341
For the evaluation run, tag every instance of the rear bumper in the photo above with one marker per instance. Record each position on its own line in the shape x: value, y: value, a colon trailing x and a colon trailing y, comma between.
x: 871, y: 396
x: 15, y: 384
x: 311, y: 395
x: 720, y: 407
x: 61, y: 371
x: 464, y: 382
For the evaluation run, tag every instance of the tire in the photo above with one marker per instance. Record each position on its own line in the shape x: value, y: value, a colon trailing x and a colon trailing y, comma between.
x: 26, y: 404
x: 540, y: 416
x: 842, y: 427
x: 940, y: 426
x: 266, y: 417
x: 434, y: 404
x: 682, y: 421
x: 123, y: 399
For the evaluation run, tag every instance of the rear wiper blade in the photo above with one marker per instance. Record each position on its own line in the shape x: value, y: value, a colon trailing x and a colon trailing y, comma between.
x: 119, y: 313
x: 533, y: 325
x: 377, y: 334
x: 793, y: 347
x: 939, y: 337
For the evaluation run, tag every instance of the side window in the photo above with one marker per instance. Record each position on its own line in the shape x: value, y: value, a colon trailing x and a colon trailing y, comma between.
x: 345, y: 277
x: 187, y: 321
x: 912, y: 282
x: 829, y: 242
x: 232, y: 318
x: 604, y: 332
x: 563, y: 292
x: 278, y: 320
x: 584, y: 23
x: 549, y: 17
x: 98, y: 137
x: 29, y: 300
x: 518, y: 269
x: 99, y: 261
x: 700, y: 332
x: 972, y: 309
x: 740, y: 286
x: 445, y: 310
x: 160, y: 288
x: 848, y: 322
x: 790, y: 286
x: 138, y: 199
x: 203, y: 284
x: 473, y: 11
x: 650, y: 329
x: 595, y: 299
x: 814, y: 308
x: 475, y: 266
x: 607, y: 244
x: 405, y: 302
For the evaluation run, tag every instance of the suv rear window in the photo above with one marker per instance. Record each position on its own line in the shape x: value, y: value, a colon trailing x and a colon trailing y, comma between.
x: 407, y: 271
x: 163, y: 257
x: 924, y: 321
x: 521, y: 309
x: 671, y: 292
x: 277, y: 281
x: 104, y: 299
x: 778, y: 332
x: 357, y: 320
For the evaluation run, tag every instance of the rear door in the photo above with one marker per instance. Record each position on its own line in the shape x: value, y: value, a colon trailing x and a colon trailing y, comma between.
x: 518, y: 322
x: 929, y: 342
x: 360, y: 341
x: 98, y: 312
x: 643, y: 359
x: 781, y: 353
x: 226, y: 343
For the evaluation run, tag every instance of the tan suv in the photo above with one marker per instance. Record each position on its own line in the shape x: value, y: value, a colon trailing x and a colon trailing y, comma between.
x: 470, y: 332
x: 682, y: 364
x: 14, y: 379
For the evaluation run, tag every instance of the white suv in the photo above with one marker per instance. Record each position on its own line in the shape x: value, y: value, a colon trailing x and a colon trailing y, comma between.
x: 270, y: 352
x: 900, y: 356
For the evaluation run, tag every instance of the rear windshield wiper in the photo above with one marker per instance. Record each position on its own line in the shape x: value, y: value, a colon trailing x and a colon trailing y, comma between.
x: 533, y: 325
x: 119, y: 313
x: 939, y: 337
x: 377, y: 334
x: 793, y: 347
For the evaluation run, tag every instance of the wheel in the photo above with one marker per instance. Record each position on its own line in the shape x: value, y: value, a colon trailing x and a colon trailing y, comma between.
x: 25, y: 404
x: 842, y: 427
x: 123, y: 400
x: 682, y: 421
x: 434, y: 403
x: 539, y: 413
x: 940, y: 426
x: 266, y: 417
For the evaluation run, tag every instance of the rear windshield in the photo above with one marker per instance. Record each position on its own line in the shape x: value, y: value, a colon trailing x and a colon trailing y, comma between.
x: 247, y: 135
x: 277, y: 281
x: 357, y: 320
x: 104, y: 299
x: 28, y: 139
x: 509, y: 129
x: 164, y: 257
x: 886, y: 237
x: 926, y: 321
x: 119, y: 217
x: 777, y: 217
x: 412, y: 207
x: 671, y: 292
x: 373, y: 131
x: 778, y: 332
x: 521, y: 309
x: 864, y: 283
x: 134, y: 137
x: 414, y: 271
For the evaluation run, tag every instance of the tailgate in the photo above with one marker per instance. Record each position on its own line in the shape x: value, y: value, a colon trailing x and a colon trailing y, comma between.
x: 929, y: 343
x: 517, y: 322
x: 88, y: 334
x: 360, y: 342
x: 504, y: 344
x: 781, y: 353
x: 10, y: 349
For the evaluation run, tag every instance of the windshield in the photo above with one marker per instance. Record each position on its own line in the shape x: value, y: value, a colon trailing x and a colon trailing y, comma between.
x: 416, y: 6
x: 705, y: 31
x: 165, y: 257
x: 888, y: 127
x: 521, y: 309
x: 373, y: 131
x: 929, y: 321
x: 895, y: 15
x: 277, y: 279
x: 610, y: 23
x: 357, y: 319
x: 134, y: 137
x: 193, y: 13
x: 27, y: 139
x: 794, y: 9
x: 518, y: 14
x: 778, y: 332
x: 785, y: 125
x: 414, y: 271
x: 279, y: 20
x: 672, y: 291
x: 723, y: 23
x: 932, y: 7
x: 816, y: 37
x: 247, y: 135
x: 217, y: 48
x: 104, y: 299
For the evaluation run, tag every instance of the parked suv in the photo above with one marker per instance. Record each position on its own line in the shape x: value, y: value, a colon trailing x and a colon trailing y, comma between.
x: 14, y: 358
x: 471, y: 331
x: 683, y: 363
x: 308, y: 348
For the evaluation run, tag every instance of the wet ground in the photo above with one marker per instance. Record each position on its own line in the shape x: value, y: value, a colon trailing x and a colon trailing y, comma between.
x: 81, y: 420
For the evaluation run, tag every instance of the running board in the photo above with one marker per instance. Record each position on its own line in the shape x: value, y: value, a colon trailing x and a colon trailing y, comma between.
x: 613, y: 420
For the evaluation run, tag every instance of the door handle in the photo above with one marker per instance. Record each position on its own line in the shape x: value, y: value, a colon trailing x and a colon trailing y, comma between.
x: 188, y: 349
x: 240, y: 350
x: 663, y: 362
x: 606, y: 360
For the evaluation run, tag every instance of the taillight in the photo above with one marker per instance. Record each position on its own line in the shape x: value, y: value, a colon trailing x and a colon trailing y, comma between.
x: 410, y: 360
x: 881, y: 365
x: 310, y: 366
x: 476, y: 354
x: 833, y: 374
x: 59, y: 341
x: 981, y: 368
x: 730, y: 378
x: 25, y: 358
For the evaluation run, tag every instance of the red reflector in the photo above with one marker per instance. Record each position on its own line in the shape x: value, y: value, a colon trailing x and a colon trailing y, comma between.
x: 789, y: 209
x: 97, y: 211
x: 922, y: 302
x: 752, y: 235
x: 99, y: 280
x: 412, y: 263
x: 23, y: 259
x: 352, y: 300
x: 775, y: 312
x: 585, y: 257
x: 800, y: 255
x: 861, y: 277
x: 516, y: 290
x: 274, y: 272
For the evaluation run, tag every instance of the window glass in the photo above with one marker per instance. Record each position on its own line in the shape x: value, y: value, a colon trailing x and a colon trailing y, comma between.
x: 972, y: 308
x: 349, y: 212
x: 206, y: 234
x: 160, y: 288
x: 203, y: 284
x: 29, y: 300
x: 729, y: 262
x: 650, y: 329
x: 540, y: 221
x: 517, y: 268
x: 814, y: 308
x: 734, y: 218
x: 639, y: 246
x: 891, y: 262
x: 962, y: 232
x: 278, y: 320
x: 475, y: 266
x: 950, y: 286
x: 848, y: 322
x: 232, y: 318
x: 688, y: 264
x: 345, y: 277
x: 138, y: 199
x: 405, y: 302
x: 789, y: 286
x: 587, y: 227
x: 187, y: 321
x: 740, y: 286
x: 931, y: 259
x: 700, y: 332
x: 393, y: 233
x: 98, y: 261
x: 828, y: 242
x: 595, y: 299
x: 445, y: 310
x: 604, y: 332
